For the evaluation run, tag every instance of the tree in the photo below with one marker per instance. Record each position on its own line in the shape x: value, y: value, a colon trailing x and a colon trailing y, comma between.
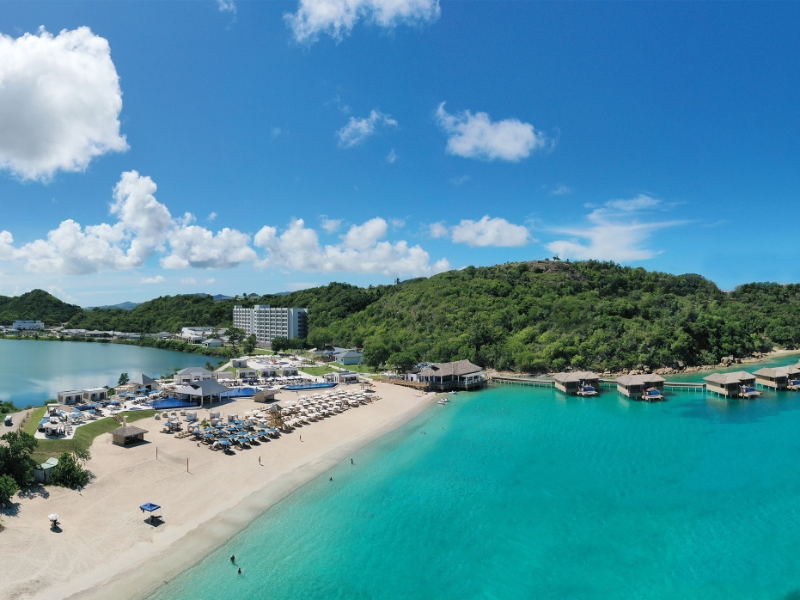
x: 279, y: 344
x: 16, y: 458
x: 210, y: 366
x: 123, y: 379
x: 8, y: 487
x: 402, y: 361
x: 250, y: 344
x: 69, y: 471
x: 235, y: 336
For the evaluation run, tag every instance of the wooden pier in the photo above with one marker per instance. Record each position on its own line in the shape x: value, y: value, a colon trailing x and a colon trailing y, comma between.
x: 605, y: 382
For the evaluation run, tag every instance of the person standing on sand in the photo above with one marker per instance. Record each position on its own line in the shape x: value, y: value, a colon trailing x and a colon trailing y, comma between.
x: 259, y: 460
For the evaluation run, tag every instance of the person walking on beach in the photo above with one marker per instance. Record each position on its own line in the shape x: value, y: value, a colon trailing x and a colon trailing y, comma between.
x: 233, y: 559
x: 259, y: 460
x: 301, y: 437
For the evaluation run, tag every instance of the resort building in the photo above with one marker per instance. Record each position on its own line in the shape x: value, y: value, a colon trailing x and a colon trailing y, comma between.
x: 27, y: 325
x: 212, y: 343
x: 69, y: 397
x: 636, y: 386
x: 127, y: 434
x: 777, y: 379
x: 246, y: 373
x: 265, y: 396
x: 347, y: 356
x: 95, y: 395
x: 142, y: 382
x: 343, y: 377
x: 202, y: 390
x: 267, y: 323
x: 579, y: 381
x: 731, y: 385
x: 239, y: 363
x: 290, y: 372
x: 459, y: 375
x: 191, y: 374
x: 268, y: 372
x: 195, y: 335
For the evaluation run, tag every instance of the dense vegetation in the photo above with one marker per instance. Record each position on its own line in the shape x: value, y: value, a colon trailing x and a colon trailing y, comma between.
x: 36, y: 305
x: 533, y: 317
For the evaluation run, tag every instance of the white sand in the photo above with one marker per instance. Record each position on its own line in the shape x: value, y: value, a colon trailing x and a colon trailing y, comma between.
x: 107, y: 550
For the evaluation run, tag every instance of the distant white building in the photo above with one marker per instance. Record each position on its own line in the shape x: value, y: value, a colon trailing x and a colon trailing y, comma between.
x: 192, y: 374
x: 347, y: 356
x: 212, y: 343
x: 267, y: 323
x: 196, y: 335
x: 27, y: 325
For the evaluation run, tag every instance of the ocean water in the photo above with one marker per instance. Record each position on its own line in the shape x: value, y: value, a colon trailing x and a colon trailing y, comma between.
x: 32, y: 371
x: 518, y: 493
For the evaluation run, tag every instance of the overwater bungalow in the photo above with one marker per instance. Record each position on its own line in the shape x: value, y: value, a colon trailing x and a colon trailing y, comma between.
x: 776, y: 379
x: 581, y: 383
x: 641, y: 387
x: 739, y: 384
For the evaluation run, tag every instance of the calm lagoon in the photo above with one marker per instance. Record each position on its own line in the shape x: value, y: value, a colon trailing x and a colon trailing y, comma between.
x: 519, y: 492
x: 32, y: 371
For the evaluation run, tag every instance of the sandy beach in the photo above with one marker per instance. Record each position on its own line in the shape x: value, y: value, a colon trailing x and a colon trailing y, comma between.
x: 106, y: 549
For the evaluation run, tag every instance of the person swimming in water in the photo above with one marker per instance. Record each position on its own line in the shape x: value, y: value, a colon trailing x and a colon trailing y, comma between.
x: 233, y: 559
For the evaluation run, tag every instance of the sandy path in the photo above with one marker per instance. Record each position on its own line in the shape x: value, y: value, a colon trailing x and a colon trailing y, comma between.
x: 107, y: 550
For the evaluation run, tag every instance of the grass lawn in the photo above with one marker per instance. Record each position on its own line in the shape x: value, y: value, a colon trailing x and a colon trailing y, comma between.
x: 356, y: 368
x: 317, y: 371
x: 84, y: 435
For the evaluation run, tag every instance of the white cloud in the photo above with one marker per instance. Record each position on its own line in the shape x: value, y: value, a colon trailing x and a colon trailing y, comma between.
x: 358, y: 130
x: 331, y: 225
x: 558, y: 190
x: 210, y: 280
x: 338, y: 17
x: 438, y: 230
x: 188, y: 281
x: 391, y: 158
x: 6, y: 245
x: 194, y: 246
x: 59, y: 102
x: 494, y: 231
x: 156, y: 279
x: 275, y: 132
x: 144, y: 226
x: 212, y: 216
x: 614, y: 234
x: 397, y: 223
x: 460, y: 180
x: 361, y: 251
x: 227, y: 6
x: 476, y: 136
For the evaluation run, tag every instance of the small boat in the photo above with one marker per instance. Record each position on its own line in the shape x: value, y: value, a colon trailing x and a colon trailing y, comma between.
x: 444, y: 401
x: 652, y: 395
x: 745, y: 391
x: 587, y: 390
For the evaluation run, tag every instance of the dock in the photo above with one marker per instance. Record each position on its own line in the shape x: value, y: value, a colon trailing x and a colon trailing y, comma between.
x: 605, y: 382
x: 417, y: 385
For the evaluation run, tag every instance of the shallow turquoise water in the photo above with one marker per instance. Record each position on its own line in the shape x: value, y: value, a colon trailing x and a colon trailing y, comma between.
x: 32, y: 371
x: 521, y: 493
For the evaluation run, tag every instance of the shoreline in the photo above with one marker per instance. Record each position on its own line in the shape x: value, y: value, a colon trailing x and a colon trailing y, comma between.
x: 141, y: 569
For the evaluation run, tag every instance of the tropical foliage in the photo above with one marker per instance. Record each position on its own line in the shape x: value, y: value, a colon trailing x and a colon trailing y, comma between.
x: 37, y: 305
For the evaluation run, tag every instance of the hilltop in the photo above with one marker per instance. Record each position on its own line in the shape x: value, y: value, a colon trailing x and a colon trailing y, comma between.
x: 532, y: 316
x: 36, y: 304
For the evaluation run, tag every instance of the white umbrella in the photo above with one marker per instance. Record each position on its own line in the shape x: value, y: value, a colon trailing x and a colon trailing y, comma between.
x: 53, y: 517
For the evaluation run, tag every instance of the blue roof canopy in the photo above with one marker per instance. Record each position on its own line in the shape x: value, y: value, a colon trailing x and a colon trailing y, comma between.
x: 149, y: 507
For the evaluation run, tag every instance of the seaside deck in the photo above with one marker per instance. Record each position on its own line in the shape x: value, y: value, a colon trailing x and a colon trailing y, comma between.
x: 417, y: 385
x: 605, y: 382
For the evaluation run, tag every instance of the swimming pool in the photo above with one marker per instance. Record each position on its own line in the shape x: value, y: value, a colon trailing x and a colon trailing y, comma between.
x: 243, y: 392
x: 172, y: 403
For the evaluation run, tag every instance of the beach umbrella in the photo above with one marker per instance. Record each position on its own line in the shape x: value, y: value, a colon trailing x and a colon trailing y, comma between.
x: 150, y: 507
x: 53, y: 518
x: 209, y: 435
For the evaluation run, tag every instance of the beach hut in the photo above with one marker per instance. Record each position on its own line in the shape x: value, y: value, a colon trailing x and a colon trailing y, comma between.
x: 732, y: 385
x: 775, y: 378
x: 69, y: 397
x: 127, y: 434
x: 265, y: 396
x: 636, y: 387
x: 578, y: 382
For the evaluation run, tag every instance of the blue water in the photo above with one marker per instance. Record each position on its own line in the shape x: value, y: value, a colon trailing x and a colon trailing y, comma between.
x: 167, y: 403
x: 32, y: 371
x: 244, y: 392
x: 519, y: 492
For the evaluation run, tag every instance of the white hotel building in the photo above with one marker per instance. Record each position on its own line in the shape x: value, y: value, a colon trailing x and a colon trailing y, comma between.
x: 268, y: 323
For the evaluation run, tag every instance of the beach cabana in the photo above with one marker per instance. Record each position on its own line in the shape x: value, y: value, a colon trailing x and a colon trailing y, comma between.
x: 731, y: 385
x: 126, y: 435
x: 42, y: 472
x: 265, y: 396
x: 579, y: 382
x: 151, y: 508
x: 776, y: 379
x: 636, y: 387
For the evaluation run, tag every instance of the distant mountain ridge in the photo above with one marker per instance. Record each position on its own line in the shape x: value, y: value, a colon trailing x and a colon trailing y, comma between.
x: 120, y: 306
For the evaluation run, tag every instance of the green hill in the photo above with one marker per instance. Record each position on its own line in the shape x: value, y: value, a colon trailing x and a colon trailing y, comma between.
x: 533, y: 317
x: 36, y: 304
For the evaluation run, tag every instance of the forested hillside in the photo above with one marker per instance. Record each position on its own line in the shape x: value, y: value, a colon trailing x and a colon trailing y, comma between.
x: 533, y: 317
x: 36, y: 305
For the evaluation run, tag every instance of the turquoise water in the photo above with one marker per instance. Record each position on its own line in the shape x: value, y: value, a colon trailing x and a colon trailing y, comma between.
x: 518, y: 493
x: 32, y: 371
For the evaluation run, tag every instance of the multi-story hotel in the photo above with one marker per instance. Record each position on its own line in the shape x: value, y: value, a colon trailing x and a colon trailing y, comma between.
x: 268, y: 323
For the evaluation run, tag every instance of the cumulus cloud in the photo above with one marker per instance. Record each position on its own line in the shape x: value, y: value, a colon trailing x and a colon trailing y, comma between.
x: 338, y: 17
x: 331, y: 225
x: 391, y: 158
x: 144, y: 226
x: 6, y: 245
x: 558, y: 190
x: 438, y: 230
x: 362, y: 250
x: 60, y: 101
x: 156, y: 279
x: 476, y: 136
x: 358, y: 130
x: 494, y: 231
x: 614, y: 233
x: 188, y: 281
x: 228, y: 6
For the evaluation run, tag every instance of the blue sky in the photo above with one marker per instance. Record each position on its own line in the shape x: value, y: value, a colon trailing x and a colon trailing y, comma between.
x: 310, y: 144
